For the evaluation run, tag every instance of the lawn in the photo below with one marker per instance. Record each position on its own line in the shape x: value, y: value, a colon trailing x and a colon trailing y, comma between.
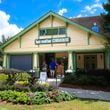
x: 70, y: 105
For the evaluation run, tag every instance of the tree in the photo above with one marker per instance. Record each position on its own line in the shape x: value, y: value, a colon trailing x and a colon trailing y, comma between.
x: 3, y: 39
x: 106, y: 17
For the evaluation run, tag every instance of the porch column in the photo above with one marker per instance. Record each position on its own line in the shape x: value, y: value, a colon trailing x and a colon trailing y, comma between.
x: 107, y: 60
x: 35, y: 61
x: 72, y: 61
x: 5, y: 60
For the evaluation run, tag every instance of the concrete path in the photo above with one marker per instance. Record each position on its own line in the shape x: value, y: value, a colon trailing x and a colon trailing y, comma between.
x: 81, y: 93
x: 54, y: 82
x: 88, y: 94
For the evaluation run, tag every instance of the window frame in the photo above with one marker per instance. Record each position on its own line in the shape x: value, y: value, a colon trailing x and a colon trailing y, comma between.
x: 58, y: 31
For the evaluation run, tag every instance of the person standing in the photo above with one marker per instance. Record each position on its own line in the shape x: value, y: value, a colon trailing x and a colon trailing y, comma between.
x: 60, y: 69
x: 44, y: 66
x: 52, y: 66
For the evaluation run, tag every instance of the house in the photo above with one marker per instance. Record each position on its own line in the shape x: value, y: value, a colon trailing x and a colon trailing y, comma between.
x: 77, y: 42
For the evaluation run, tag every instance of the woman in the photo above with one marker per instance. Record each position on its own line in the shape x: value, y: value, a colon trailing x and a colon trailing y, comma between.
x: 60, y: 69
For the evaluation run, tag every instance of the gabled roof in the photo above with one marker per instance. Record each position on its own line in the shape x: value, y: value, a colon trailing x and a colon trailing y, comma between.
x: 50, y: 13
x: 88, y: 22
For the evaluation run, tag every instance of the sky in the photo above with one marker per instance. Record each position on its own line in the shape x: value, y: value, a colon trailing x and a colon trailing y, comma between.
x: 15, y: 15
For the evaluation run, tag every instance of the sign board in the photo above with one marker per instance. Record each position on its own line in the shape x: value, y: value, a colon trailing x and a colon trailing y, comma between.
x: 43, y: 76
x: 52, y: 40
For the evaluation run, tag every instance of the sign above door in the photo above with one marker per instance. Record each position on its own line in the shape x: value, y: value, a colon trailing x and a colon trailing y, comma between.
x: 52, y: 40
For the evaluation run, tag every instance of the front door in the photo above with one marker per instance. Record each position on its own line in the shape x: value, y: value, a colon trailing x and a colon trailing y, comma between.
x: 90, y: 62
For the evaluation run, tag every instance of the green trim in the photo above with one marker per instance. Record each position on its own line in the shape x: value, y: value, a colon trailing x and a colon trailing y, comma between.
x: 51, y: 19
x: 38, y: 30
x: 43, y: 18
x: 8, y: 62
x: 5, y: 60
x: 59, y: 51
x: 19, y: 41
x: 74, y: 62
x: 33, y: 60
x: 107, y: 60
x: 58, y: 28
x: 88, y: 38
x: 66, y: 31
x: 53, y: 27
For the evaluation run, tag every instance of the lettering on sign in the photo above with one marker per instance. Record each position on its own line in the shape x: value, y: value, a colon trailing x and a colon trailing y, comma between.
x: 52, y: 40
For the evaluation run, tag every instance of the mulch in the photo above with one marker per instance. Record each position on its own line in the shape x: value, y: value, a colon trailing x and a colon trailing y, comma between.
x: 91, y: 87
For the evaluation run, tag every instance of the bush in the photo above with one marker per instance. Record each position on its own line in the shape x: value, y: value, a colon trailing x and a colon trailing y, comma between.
x: 15, y: 97
x: 86, y: 79
x: 34, y: 98
x: 3, y: 77
x: 41, y: 87
x: 59, y: 96
x: 22, y: 83
x: 41, y: 98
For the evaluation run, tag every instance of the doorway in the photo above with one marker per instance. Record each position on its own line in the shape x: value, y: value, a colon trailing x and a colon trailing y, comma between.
x: 90, y: 62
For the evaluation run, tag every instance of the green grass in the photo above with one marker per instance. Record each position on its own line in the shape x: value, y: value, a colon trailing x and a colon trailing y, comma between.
x: 70, y: 105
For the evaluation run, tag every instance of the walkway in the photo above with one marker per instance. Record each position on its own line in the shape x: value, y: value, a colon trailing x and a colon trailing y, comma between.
x: 81, y: 93
x: 88, y: 94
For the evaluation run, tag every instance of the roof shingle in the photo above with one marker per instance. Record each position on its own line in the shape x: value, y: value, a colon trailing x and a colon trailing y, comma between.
x: 88, y: 22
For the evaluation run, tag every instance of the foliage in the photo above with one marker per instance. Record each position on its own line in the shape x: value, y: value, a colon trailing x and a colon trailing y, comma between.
x: 88, y: 79
x: 3, y: 77
x: 23, y: 83
x: 106, y: 17
x: 41, y: 87
x: 59, y: 96
x: 40, y: 98
x: 34, y: 98
x: 15, y: 97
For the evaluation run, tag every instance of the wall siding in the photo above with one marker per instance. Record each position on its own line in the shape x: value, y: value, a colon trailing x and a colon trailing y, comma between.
x: 79, y: 40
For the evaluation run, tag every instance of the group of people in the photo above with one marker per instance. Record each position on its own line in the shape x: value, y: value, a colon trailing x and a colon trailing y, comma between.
x: 55, y: 68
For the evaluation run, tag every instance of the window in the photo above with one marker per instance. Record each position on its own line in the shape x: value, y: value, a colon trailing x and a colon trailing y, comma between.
x: 54, y: 31
x: 51, y: 31
x: 62, y: 31
x: 42, y: 32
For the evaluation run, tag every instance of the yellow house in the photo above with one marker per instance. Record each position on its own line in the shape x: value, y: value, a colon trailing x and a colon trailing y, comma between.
x: 54, y: 36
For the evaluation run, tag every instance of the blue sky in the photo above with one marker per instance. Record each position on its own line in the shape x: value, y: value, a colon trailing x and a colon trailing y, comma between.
x: 17, y: 14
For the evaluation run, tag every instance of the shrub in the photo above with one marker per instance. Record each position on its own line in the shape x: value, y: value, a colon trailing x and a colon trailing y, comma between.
x: 84, y: 79
x: 14, y: 96
x: 3, y: 77
x: 22, y: 83
x: 59, y: 96
x: 41, y: 87
x: 41, y: 98
x: 35, y: 98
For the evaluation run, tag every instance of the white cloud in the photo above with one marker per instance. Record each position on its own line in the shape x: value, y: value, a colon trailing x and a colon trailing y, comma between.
x: 92, y: 8
x: 78, y: 16
x: 6, y: 28
x: 0, y: 1
x: 62, y: 11
x: 97, y: 1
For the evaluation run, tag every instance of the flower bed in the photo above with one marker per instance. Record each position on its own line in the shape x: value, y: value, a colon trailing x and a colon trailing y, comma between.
x: 36, y: 97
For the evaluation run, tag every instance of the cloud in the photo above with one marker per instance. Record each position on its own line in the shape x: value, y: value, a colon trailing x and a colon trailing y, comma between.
x: 0, y: 1
x: 62, y: 11
x: 7, y: 29
x: 92, y: 8
x: 97, y: 1
x: 78, y: 16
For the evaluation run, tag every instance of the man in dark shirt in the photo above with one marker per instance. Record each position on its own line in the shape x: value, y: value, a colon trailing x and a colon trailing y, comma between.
x: 52, y: 66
